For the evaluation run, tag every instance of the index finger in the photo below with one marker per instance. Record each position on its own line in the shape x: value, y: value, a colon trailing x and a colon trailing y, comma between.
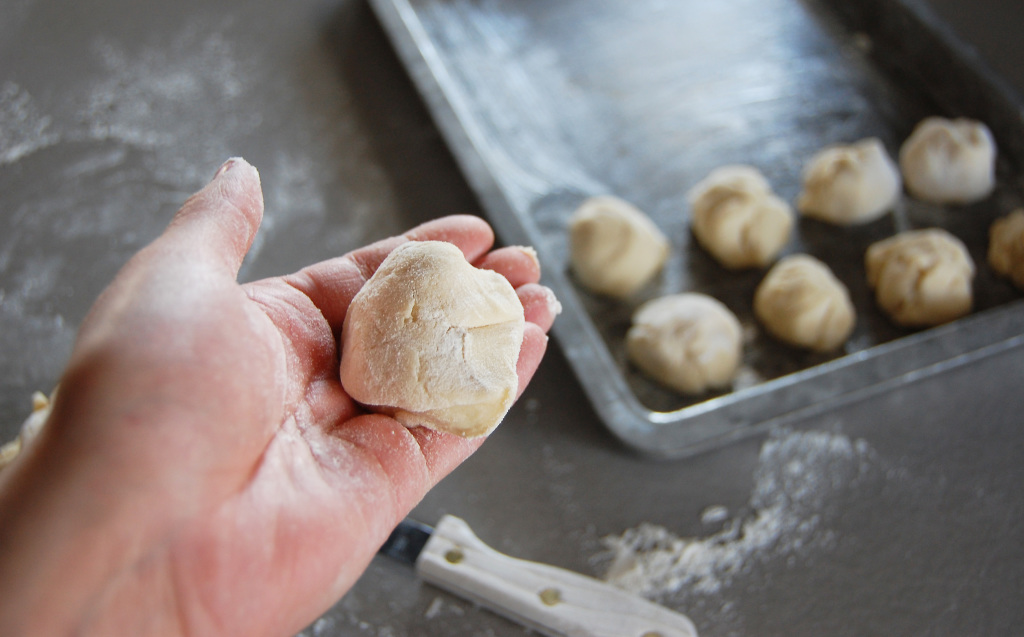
x: 331, y: 284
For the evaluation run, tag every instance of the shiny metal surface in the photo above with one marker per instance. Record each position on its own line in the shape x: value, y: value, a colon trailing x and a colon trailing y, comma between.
x: 406, y: 542
x: 898, y: 513
x: 547, y: 103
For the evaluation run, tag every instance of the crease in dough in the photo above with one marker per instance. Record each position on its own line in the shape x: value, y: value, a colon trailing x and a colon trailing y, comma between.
x: 801, y: 302
x: 689, y: 342
x: 949, y: 161
x: 614, y: 248
x: 853, y: 184
x: 433, y: 341
x: 736, y: 217
x: 921, y: 277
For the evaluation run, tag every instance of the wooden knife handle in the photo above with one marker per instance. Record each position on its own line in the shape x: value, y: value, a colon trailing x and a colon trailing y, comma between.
x: 550, y: 600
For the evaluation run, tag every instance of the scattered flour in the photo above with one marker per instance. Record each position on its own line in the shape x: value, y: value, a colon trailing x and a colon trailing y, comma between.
x: 439, y: 607
x: 714, y: 514
x: 146, y: 99
x: 434, y: 609
x: 323, y: 627
x: 796, y: 477
x: 23, y: 128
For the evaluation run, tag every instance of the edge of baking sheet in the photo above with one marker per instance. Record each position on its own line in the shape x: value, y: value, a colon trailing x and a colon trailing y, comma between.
x: 702, y: 426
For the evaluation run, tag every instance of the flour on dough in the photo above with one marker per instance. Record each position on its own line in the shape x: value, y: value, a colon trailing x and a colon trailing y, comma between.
x: 433, y: 341
x: 737, y: 218
x: 615, y: 248
x: 949, y: 161
x: 921, y: 277
x: 852, y: 184
x: 690, y: 342
x: 801, y: 302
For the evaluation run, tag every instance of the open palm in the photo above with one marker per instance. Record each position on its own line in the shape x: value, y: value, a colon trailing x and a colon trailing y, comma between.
x: 212, y: 477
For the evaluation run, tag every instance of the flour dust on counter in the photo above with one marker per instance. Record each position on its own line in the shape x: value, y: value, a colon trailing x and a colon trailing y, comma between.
x: 132, y: 120
x: 23, y: 128
x: 141, y: 128
x: 144, y: 99
x: 798, y: 479
x: 147, y: 99
x: 74, y: 169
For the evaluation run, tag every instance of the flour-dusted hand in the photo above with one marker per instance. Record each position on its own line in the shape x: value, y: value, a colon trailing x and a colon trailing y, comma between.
x: 202, y: 471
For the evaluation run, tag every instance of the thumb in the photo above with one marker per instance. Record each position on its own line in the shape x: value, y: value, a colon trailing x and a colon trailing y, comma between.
x: 217, y: 225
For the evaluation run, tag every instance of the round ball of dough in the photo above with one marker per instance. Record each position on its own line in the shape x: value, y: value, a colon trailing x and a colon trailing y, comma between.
x: 949, y: 161
x: 921, y: 277
x: 615, y: 248
x: 737, y: 219
x: 689, y: 342
x: 1006, y: 247
x: 433, y: 341
x: 802, y: 303
x: 850, y: 184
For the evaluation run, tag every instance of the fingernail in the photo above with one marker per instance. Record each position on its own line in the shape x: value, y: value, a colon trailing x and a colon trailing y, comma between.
x: 226, y: 166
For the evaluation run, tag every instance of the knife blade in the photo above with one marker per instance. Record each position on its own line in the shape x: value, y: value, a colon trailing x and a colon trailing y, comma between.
x: 550, y: 600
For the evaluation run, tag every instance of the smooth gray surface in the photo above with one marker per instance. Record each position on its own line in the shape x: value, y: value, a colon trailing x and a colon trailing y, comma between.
x: 900, y: 514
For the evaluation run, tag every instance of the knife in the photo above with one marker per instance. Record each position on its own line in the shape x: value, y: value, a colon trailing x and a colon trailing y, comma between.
x: 550, y: 600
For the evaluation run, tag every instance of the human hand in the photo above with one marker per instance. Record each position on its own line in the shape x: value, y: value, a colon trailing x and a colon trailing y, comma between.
x: 203, y: 472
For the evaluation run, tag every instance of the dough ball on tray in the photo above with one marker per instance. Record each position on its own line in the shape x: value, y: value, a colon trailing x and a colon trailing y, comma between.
x: 737, y: 218
x: 949, y: 161
x: 802, y: 303
x: 853, y: 184
x: 921, y: 277
x: 615, y: 249
x: 688, y: 342
x: 1006, y: 247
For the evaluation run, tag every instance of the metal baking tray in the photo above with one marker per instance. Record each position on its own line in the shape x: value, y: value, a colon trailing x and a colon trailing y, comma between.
x: 545, y: 103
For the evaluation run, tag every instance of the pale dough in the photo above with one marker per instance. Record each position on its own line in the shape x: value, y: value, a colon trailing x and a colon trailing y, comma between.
x: 41, y: 408
x: 949, y: 161
x: 689, y: 342
x: 1006, y: 247
x: 852, y: 184
x: 921, y: 277
x: 801, y: 302
x: 433, y: 341
x: 737, y: 218
x: 615, y: 248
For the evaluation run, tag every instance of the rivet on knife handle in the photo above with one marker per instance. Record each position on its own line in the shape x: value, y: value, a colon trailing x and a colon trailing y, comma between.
x: 550, y: 600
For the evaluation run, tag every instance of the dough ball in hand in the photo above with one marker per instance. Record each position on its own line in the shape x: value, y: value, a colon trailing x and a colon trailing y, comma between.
x: 802, y: 303
x: 737, y: 219
x: 852, y: 184
x: 1006, y: 247
x: 922, y: 277
x: 689, y: 342
x: 615, y: 248
x: 433, y: 341
x: 949, y: 161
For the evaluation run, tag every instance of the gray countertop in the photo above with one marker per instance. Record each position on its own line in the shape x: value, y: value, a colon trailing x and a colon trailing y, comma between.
x: 899, y: 513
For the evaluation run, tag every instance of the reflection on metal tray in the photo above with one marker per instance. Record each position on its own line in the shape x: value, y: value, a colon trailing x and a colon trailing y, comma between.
x: 545, y: 103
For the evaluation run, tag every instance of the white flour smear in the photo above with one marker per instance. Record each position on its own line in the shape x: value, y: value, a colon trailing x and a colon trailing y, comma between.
x: 796, y: 477
x: 146, y: 102
x: 23, y: 129
x: 147, y: 99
